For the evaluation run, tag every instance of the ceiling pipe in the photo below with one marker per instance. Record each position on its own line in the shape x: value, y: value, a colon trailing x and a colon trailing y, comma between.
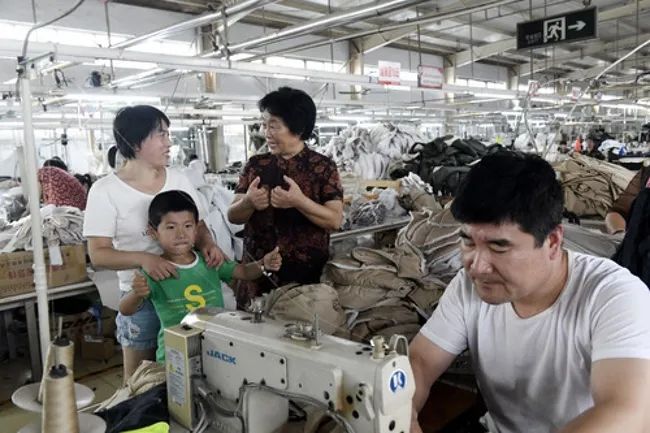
x: 323, y: 22
x: 381, y: 29
x: 242, y: 7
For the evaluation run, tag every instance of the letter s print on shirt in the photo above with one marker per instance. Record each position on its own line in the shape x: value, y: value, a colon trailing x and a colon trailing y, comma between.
x: 192, y: 294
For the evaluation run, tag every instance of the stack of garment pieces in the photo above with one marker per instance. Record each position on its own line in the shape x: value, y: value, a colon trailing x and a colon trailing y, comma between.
x: 62, y: 225
x: 443, y: 162
x: 370, y: 292
x: 591, y: 186
x: 369, y: 152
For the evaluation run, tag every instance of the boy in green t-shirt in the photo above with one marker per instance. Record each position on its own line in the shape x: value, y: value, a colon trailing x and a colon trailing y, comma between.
x: 173, y: 219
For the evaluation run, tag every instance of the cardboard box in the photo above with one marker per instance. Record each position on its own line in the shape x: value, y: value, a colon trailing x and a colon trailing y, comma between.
x: 17, y: 273
x: 75, y: 326
x: 100, y: 349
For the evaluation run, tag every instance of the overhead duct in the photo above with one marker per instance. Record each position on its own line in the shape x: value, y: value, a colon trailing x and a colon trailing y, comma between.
x: 324, y: 22
x: 242, y: 7
x: 381, y: 29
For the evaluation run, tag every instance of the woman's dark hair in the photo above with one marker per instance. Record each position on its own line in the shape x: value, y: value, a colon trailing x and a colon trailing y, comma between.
x: 133, y: 124
x: 295, y: 107
x: 171, y: 201
x: 511, y: 187
x: 57, y: 162
x: 84, y: 179
x: 112, y: 155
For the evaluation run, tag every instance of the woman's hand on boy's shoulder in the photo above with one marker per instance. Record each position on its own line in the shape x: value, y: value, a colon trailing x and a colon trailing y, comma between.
x: 157, y: 267
x: 213, y: 255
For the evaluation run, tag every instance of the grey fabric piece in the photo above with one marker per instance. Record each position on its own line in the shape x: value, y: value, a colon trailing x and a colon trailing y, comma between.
x: 584, y: 240
x: 436, y: 235
x: 417, y: 195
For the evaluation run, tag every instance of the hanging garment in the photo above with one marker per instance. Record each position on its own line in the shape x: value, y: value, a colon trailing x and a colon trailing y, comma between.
x: 634, y: 251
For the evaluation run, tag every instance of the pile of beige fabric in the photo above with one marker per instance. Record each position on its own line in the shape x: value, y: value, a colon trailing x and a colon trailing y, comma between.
x: 591, y: 186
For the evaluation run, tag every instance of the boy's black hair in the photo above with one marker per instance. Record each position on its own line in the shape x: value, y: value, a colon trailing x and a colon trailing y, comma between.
x: 57, y: 162
x: 511, y: 187
x: 171, y: 201
x: 295, y: 107
x: 133, y: 124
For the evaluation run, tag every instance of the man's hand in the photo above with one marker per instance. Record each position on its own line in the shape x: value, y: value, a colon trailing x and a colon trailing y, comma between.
x: 213, y: 255
x: 257, y: 197
x: 157, y: 267
x: 272, y: 261
x: 287, y: 199
x: 139, y: 286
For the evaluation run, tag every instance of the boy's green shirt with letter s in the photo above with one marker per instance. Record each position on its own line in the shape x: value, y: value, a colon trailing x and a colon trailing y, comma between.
x: 196, y: 286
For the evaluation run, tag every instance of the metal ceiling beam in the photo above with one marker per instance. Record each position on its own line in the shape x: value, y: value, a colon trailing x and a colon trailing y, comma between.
x: 243, y: 6
x: 597, y: 47
x: 488, y: 50
x: 323, y: 22
x: 410, y: 25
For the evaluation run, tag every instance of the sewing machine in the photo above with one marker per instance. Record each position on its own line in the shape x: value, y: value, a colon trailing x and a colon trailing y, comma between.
x: 235, y: 372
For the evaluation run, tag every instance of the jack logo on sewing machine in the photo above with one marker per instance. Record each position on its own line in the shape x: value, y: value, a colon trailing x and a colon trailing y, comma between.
x: 222, y: 356
x: 397, y: 381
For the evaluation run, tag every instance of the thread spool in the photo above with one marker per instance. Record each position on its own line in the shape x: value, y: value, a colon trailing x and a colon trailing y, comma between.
x: 59, y: 406
x: 60, y: 351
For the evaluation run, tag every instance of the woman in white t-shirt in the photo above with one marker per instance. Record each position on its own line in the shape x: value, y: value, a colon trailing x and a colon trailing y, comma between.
x: 116, y: 221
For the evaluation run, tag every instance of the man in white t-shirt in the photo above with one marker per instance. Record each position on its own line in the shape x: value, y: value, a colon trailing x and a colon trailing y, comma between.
x: 560, y: 341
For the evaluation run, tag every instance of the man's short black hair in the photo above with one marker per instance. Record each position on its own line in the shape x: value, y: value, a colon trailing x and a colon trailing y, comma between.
x: 192, y: 157
x: 295, y: 107
x: 171, y: 201
x: 57, y: 162
x: 133, y: 124
x: 511, y: 187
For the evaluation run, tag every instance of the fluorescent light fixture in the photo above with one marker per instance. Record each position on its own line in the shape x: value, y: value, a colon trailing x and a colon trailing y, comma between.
x: 625, y: 106
x: 122, y: 64
x: 178, y: 128
x: 548, y: 100
x: 289, y: 77
x: 400, y: 87
x: 491, y: 95
x: 11, y: 81
x: 344, y: 118
x: 99, y: 97
x: 331, y: 124
x: 240, y: 56
x: 431, y: 125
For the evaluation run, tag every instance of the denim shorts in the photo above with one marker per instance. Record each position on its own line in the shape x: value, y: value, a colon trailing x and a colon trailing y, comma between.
x: 139, y: 331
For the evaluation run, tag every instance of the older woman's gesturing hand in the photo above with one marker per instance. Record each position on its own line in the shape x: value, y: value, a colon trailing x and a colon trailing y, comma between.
x: 285, y: 199
x: 256, y: 196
